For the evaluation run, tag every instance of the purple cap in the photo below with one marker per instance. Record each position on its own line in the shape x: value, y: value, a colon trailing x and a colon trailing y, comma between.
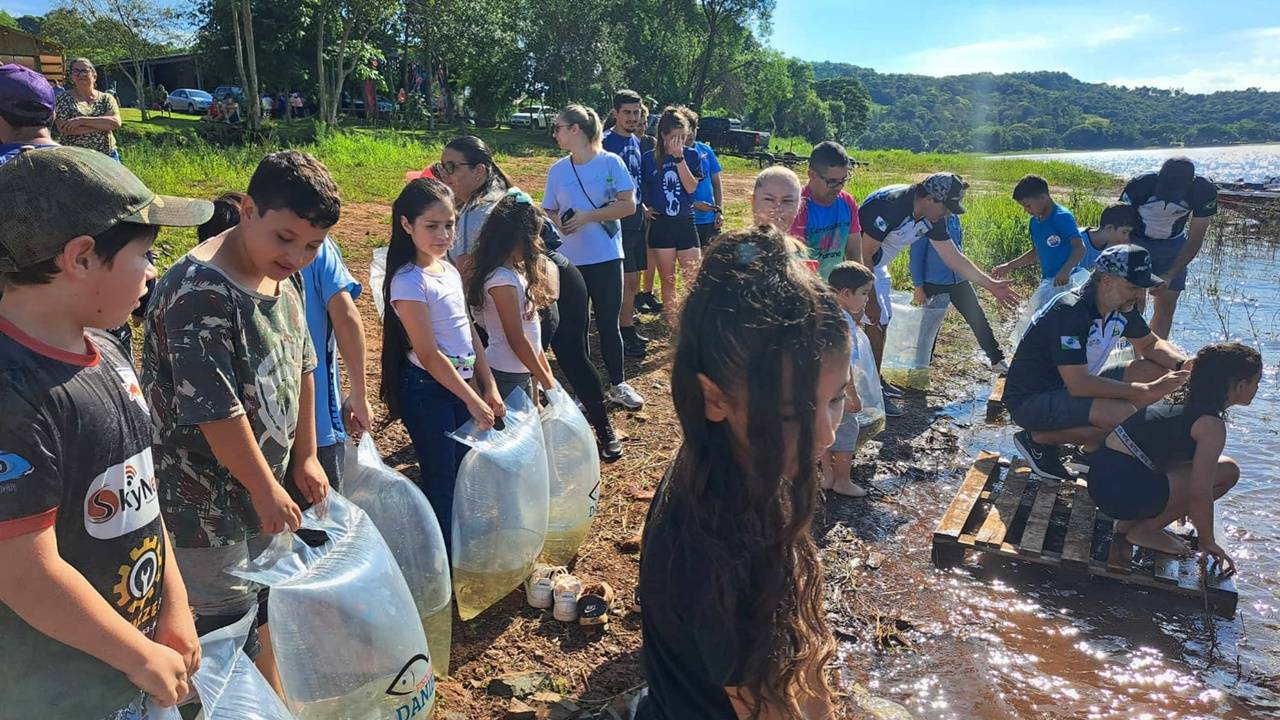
x: 25, y: 94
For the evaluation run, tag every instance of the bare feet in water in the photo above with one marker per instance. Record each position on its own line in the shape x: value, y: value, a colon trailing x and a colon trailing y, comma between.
x: 1159, y: 540
x: 848, y: 489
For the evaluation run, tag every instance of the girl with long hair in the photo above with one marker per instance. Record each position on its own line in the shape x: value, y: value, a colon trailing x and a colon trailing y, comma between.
x: 434, y: 373
x: 730, y: 578
x: 669, y: 175
x: 1165, y: 462
x: 468, y: 168
x: 588, y: 193
x: 507, y: 285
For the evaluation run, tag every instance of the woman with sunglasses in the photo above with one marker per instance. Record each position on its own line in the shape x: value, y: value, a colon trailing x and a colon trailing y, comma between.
x: 588, y: 193
x: 468, y: 168
x: 86, y: 117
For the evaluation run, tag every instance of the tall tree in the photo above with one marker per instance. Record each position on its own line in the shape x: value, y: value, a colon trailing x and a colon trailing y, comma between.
x: 342, y: 32
x: 721, y: 16
x: 136, y: 29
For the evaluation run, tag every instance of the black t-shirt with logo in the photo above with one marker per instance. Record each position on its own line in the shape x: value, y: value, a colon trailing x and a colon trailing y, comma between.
x: 75, y: 455
x: 1068, y: 331
x: 1159, y: 219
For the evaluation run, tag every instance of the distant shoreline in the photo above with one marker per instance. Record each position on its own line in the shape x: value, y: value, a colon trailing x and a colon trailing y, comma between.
x: 1042, y: 153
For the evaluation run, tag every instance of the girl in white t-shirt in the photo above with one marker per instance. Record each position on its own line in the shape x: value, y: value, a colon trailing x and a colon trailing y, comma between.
x: 508, y: 284
x: 434, y: 373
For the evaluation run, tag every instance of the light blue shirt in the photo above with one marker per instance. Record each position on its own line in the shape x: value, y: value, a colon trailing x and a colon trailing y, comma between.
x: 325, y: 277
x: 704, y: 191
x: 1052, y: 239
x: 927, y: 265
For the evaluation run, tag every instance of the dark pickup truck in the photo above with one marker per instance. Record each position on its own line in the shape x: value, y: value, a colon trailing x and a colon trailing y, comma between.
x: 727, y: 135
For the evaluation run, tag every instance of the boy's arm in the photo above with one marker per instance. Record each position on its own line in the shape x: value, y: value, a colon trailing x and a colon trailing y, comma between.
x: 1077, y: 254
x: 308, y: 474
x: 1026, y: 259
x: 348, y: 331
x: 718, y: 195
x: 237, y: 450
x: 176, y: 626
x: 55, y: 599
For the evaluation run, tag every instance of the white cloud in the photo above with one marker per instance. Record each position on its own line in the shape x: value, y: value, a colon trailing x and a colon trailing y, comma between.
x: 1251, y: 60
x: 996, y: 56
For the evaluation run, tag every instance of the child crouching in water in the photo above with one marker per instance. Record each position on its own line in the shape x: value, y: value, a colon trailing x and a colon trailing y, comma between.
x: 1166, y: 462
x: 434, y: 374
x: 852, y: 283
x: 730, y: 578
x: 507, y: 285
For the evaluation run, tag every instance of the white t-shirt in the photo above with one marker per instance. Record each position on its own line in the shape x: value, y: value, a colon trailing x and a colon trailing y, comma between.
x: 446, y: 304
x: 590, y: 244
x: 470, y: 221
x: 499, y: 352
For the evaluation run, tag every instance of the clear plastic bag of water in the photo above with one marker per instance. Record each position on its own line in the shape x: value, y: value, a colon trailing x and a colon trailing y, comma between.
x: 378, y: 273
x: 573, y: 467
x: 228, y: 683
x: 404, y: 517
x: 908, y: 345
x: 1040, y: 299
x: 347, y: 636
x: 866, y: 379
x: 500, y: 502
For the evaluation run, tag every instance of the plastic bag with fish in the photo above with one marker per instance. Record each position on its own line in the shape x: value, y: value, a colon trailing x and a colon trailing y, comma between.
x: 347, y: 637
x: 908, y: 345
x: 1040, y: 300
x: 573, y: 465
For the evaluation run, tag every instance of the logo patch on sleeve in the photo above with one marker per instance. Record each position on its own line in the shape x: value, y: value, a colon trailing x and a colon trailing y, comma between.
x: 12, y: 466
x: 122, y: 499
x: 881, y: 224
x: 1070, y: 342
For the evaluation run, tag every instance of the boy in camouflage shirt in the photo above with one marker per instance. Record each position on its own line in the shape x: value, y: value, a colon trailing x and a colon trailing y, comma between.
x: 227, y: 367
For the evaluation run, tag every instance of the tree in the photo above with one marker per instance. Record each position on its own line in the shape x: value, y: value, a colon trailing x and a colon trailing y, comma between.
x: 720, y: 16
x: 342, y: 30
x: 854, y: 108
x: 136, y: 29
x: 33, y: 24
x: 7, y: 20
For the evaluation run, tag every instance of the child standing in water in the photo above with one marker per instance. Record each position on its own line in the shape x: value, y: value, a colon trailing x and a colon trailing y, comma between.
x: 434, y: 374
x: 507, y: 286
x: 1166, y: 462
x: 852, y: 283
x: 730, y: 578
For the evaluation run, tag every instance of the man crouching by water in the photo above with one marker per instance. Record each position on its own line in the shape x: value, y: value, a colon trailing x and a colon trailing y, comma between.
x: 1060, y: 387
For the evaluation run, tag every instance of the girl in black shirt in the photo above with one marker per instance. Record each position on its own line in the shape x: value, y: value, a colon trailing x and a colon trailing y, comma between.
x: 1166, y: 462
x: 730, y: 578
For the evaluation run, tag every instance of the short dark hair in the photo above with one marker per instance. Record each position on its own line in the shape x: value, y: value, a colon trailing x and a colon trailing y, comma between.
x: 849, y: 275
x: 625, y: 97
x: 226, y: 214
x: 1030, y: 186
x: 297, y: 182
x: 16, y: 121
x: 828, y: 154
x: 106, y: 245
x: 1119, y: 215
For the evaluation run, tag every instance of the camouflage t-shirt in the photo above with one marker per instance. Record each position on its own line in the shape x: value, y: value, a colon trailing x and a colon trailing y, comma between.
x: 216, y: 350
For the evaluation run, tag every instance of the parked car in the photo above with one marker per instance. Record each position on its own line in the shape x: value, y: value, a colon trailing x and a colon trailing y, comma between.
x: 221, y: 92
x: 190, y: 100
x: 534, y: 117
x: 727, y: 135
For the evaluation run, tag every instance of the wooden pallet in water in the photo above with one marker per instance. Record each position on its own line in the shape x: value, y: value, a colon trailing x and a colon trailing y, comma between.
x: 1009, y: 512
x: 995, y: 401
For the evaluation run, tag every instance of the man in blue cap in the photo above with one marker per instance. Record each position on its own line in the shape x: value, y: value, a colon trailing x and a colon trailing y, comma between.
x: 1061, y: 389
x: 26, y: 110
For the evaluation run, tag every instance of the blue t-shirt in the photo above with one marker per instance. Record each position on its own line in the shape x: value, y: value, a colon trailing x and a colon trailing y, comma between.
x: 325, y: 277
x: 9, y: 151
x: 710, y: 165
x: 1052, y: 239
x: 928, y: 267
x: 662, y: 191
x: 1091, y: 251
x: 627, y: 148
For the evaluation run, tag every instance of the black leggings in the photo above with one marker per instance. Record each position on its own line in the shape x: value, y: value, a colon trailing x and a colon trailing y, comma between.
x: 570, y: 323
x: 604, y: 285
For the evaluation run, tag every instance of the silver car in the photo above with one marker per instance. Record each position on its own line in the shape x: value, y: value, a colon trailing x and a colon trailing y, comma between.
x: 189, y: 100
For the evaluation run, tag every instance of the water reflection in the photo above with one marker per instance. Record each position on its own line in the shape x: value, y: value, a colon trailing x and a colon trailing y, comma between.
x: 1252, y: 163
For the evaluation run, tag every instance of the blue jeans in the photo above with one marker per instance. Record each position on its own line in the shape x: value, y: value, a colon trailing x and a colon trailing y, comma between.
x: 429, y: 412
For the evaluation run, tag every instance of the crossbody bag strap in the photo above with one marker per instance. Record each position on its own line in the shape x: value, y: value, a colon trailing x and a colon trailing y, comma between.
x: 580, y: 185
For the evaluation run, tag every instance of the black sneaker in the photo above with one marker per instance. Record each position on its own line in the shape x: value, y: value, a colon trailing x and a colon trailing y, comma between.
x: 644, y: 302
x: 630, y: 333
x: 654, y: 304
x: 1044, y: 460
x: 890, y: 391
x: 633, y: 348
x: 892, y: 409
x: 609, y: 444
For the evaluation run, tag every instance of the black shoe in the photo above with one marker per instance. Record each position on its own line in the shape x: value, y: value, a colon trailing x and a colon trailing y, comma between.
x: 892, y: 409
x: 652, y: 302
x: 890, y: 391
x: 630, y: 333
x: 1044, y: 460
x: 609, y: 444
x: 633, y: 348
x: 644, y: 303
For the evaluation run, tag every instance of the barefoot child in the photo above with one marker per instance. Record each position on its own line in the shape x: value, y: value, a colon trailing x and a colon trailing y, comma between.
x: 93, y: 611
x: 1166, y: 462
x: 507, y: 286
x: 852, y: 283
x: 434, y: 374
x: 730, y: 578
x: 227, y: 366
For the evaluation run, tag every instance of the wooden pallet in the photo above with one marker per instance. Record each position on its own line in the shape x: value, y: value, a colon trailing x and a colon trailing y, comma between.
x: 1008, y: 512
x: 995, y: 402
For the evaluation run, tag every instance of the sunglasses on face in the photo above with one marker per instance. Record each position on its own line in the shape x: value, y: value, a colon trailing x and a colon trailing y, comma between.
x: 449, y: 167
x: 833, y: 183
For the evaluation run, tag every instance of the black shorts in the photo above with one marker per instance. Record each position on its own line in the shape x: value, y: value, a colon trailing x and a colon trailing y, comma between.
x: 706, y: 233
x: 673, y: 233
x: 1124, y: 488
x: 1056, y: 409
x: 635, y: 251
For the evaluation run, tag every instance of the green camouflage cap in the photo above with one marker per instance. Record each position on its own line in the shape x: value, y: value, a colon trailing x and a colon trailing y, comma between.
x: 55, y: 194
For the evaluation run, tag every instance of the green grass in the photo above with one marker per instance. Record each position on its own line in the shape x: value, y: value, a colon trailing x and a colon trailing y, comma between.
x: 369, y: 164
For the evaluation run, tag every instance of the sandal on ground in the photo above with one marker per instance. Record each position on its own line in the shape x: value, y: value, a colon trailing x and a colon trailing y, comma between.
x: 593, y: 606
x: 567, y: 591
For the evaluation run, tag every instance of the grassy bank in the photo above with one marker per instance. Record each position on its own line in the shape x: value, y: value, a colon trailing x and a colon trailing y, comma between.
x: 369, y: 167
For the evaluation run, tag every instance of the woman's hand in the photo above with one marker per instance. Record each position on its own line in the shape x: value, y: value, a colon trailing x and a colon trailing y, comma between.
x: 1214, y: 552
x: 481, y: 413
x: 575, y: 222
x: 674, y: 144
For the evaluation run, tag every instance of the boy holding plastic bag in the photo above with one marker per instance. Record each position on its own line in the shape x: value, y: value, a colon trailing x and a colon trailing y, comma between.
x: 1055, y: 238
x: 93, y: 610
x: 852, y: 282
x: 227, y: 367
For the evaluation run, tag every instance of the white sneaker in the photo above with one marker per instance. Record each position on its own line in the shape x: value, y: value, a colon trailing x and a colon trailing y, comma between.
x: 625, y: 395
x: 1000, y: 368
x: 567, y: 591
x: 539, y: 586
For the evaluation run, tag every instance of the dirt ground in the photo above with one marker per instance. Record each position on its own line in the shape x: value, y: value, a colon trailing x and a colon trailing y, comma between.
x: 593, y: 667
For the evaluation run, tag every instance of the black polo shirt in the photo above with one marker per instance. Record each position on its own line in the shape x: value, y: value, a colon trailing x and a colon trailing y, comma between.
x: 1161, y: 220
x: 886, y: 216
x: 1068, y: 331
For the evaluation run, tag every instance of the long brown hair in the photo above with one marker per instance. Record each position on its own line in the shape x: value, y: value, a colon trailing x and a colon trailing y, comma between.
x: 673, y: 118
x: 476, y: 151
x: 512, y: 226
x: 757, y: 318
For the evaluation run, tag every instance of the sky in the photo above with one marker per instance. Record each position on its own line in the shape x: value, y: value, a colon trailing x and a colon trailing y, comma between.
x: 1195, y: 45
x: 1190, y: 44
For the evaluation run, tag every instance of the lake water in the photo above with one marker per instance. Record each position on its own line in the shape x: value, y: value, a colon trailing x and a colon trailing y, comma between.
x: 1251, y: 163
x: 1004, y: 640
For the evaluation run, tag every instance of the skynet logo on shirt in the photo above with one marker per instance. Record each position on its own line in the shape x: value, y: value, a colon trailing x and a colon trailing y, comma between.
x: 122, y: 499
